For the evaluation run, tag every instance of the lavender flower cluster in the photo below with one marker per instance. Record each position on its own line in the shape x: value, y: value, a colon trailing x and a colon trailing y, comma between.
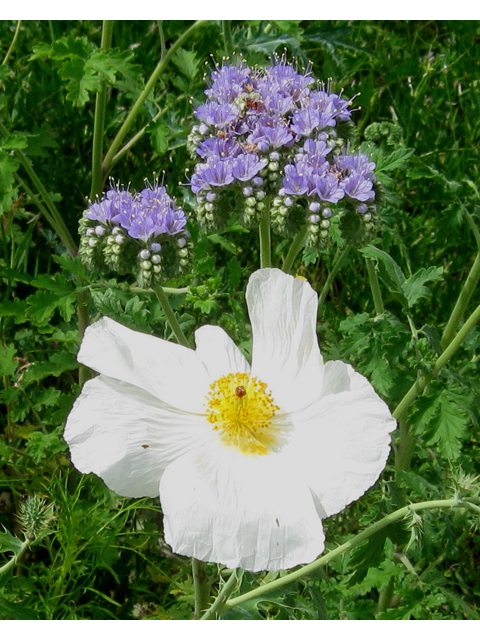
x: 276, y: 138
x: 144, y: 229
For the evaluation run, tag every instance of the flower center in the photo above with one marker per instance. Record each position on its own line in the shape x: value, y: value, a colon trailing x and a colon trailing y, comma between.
x: 241, y: 410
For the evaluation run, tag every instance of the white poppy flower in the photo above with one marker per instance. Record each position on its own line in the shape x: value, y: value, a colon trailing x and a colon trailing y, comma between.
x: 247, y: 460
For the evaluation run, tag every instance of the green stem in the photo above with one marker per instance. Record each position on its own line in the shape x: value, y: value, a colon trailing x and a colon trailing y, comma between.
x: 171, y: 317
x: 386, y: 596
x: 265, y: 241
x: 462, y: 302
x: 228, y: 588
x: 375, y: 287
x: 404, y: 452
x: 201, y: 584
x: 295, y: 249
x: 347, y: 546
x: 337, y: 263
x: 227, y: 37
x: 128, y: 145
x: 12, y: 44
x: 55, y: 219
x: 16, y: 557
x: 99, y: 119
x: 135, y: 110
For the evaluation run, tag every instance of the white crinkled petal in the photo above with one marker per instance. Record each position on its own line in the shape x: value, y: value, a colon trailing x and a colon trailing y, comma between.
x: 343, y: 439
x: 240, y: 511
x: 171, y: 372
x: 128, y: 437
x: 285, y: 352
x: 219, y: 354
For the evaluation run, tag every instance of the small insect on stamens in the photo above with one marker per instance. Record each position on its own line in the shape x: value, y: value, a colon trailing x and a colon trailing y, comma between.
x: 240, y: 392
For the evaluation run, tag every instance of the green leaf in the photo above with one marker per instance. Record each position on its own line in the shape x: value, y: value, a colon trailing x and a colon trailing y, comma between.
x: 187, y: 63
x: 9, y: 543
x: 159, y: 138
x: 422, y: 170
x: 389, y: 272
x: 8, y: 364
x: 450, y: 425
x: 58, y: 364
x: 43, y: 304
x: 81, y: 80
x: 14, y: 309
x: 12, y: 274
x: 8, y: 192
x: 395, y: 160
x: 223, y: 242
x: 414, y: 287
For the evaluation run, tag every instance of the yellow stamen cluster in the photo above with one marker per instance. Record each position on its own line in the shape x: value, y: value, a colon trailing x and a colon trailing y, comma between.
x: 241, y: 409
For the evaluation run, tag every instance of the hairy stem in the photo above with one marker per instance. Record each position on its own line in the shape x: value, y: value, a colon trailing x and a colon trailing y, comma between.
x: 227, y: 37
x: 295, y: 248
x: 462, y: 302
x: 350, y: 544
x: 265, y: 240
x: 375, y: 287
x: 135, y: 110
x: 171, y: 317
x: 202, y: 585
x: 337, y: 263
x: 99, y: 119
x: 228, y: 588
x: 12, y: 44
x: 16, y: 557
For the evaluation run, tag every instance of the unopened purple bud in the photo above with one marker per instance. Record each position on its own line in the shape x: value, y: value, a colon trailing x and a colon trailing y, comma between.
x: 281, y: 192
x: 362, y: 208
x: 314, y: 206
x: 257, y: 181
x: 247, y: 191
x: 275, y: 156
x: 155, y: 247
x: 119, y: 239
x: 211, y: 196
x: 327, y: 213
x: 203, y: 129
x: 288, y: 202
x: 181, y: 242
x: 144, y: 254
x: 314, y: 219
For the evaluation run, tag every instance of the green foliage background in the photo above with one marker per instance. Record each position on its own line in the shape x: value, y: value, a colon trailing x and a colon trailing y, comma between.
x: 103, y: 556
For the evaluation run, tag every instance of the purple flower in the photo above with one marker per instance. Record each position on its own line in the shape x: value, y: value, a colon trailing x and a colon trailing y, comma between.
x: 358, y: 187
x: 100, y: 211
x: 219, y: 115
x: 246, y: 166
x: 218, y: 173
x: 359, y: 163
x: 295, y: 182
x: 228, y: 83
x: 304, y: 121
x: 328, y: 189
